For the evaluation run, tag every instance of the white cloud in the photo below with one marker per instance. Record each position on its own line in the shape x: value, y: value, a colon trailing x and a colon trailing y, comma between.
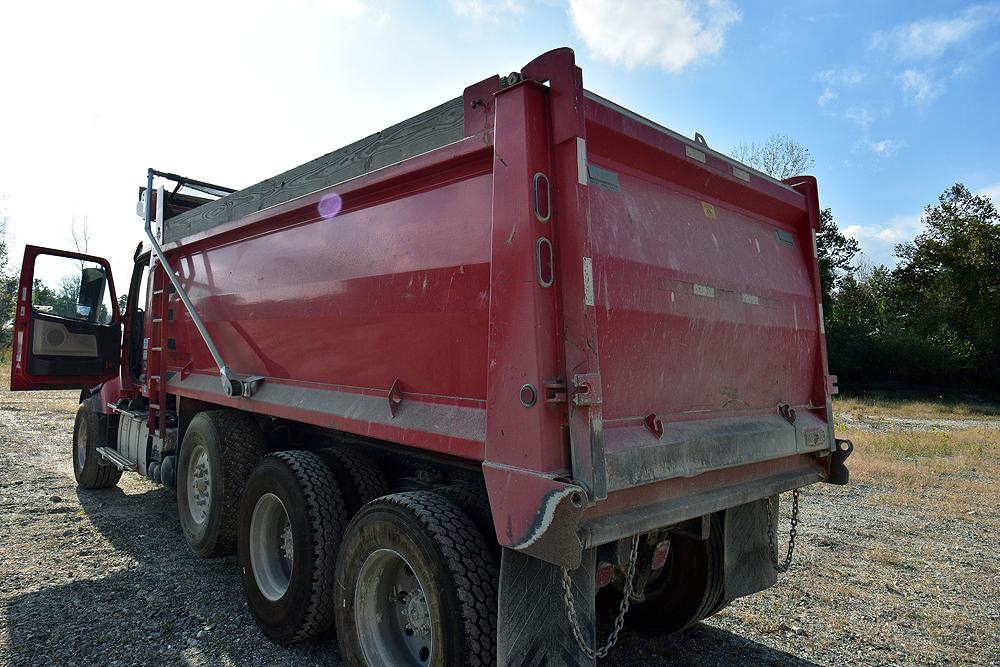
x: 848, y: 76
x: 993, y: 192
x: 930, y: 38
x: 883, y: 147
x: 896, y: 230
x: 486, y: 9
x: 827, y: 95
x: 860, y: 116
x: 879, y: 241
x: 671, y: 34
x: 918, y: 87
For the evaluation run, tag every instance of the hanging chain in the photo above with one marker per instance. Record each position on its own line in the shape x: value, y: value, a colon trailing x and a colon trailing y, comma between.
x: 622, y: 607
x: 783, y: 567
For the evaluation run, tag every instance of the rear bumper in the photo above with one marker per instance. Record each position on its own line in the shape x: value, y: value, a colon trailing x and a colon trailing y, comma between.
x: 548, y: 518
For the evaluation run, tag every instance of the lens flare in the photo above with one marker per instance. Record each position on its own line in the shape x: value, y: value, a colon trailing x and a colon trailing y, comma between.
x: 330, y: 205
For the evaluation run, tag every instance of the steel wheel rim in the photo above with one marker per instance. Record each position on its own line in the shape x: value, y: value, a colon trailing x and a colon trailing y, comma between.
x: 199, y: 486
x: 272, y: 551
x: 394, y: 623
x: 80, y: 445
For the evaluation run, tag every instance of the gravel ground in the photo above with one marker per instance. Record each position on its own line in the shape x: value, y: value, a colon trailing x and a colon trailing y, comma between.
x: 104, y: 577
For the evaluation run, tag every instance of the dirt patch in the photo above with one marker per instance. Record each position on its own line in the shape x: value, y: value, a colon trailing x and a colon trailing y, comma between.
x: 902, y: 567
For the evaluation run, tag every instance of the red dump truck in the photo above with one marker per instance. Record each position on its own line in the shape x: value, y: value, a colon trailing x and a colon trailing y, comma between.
x: 457, y: 388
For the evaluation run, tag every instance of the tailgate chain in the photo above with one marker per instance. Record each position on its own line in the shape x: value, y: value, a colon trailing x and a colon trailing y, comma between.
x: 622, y: 608
x: 783, y: 567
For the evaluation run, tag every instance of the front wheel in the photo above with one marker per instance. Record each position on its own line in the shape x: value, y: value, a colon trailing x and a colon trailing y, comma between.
x: 90, y: 470
x: 416, y: 585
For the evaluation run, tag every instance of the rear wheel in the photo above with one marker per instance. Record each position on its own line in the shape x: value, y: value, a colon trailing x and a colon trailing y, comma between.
x: 686, y: 589
x: 292, y: 520
x: 220, y: 449
x: 89, y: 468
x: 416, y: 585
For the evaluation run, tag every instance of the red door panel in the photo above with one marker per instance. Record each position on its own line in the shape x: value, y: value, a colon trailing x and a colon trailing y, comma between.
x: 67, y: 330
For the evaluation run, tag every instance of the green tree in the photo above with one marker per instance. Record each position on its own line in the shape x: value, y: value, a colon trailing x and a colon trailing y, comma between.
x: 950, y: 277
x: 836, y: 257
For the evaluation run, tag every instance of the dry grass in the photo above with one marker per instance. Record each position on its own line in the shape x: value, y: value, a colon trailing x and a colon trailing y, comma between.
x: 948, y: 473
x: 925, y: 408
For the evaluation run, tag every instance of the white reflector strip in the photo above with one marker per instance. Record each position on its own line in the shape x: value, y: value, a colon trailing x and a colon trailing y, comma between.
x: 588, y: 282
x: 694, y: 153
x: 581, y: 162
x: 704, y: 290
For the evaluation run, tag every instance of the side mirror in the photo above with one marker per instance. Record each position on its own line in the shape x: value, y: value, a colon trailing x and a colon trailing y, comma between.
x: 92, y: 285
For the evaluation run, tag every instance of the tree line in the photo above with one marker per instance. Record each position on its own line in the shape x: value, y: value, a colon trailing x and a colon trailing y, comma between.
x: 934, y: 318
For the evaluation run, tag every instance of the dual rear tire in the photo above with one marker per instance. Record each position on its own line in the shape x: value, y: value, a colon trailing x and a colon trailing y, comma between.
x: 416, y: 585
x: 220, y: 450
x: 687, y: 589
x: 408, y: 581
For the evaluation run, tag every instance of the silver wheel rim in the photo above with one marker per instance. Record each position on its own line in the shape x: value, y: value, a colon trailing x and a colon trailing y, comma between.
x: 391, y: 612
x: 199, y: 486
x: 81, y: 447
x: 272, y: 550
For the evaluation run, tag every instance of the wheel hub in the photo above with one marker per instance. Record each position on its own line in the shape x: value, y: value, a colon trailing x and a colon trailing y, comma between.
x: 81, y: 446
x: 272, y: 547
x: 199, y: 485
x: 392, y: 612
x: 418, y: 616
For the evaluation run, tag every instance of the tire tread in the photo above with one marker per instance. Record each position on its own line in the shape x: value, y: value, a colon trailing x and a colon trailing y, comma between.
x: 328, y: 522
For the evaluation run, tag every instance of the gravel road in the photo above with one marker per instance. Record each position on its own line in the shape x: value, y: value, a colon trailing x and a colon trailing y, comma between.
x: 104, y: 577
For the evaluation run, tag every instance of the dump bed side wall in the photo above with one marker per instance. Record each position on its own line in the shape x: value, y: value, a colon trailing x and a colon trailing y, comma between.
x: 335, y: 309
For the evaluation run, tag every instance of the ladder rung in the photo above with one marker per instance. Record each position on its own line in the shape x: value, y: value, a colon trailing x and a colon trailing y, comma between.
x: 158, y: 291
x: 157, y: 320
x: 154, y: 406
x: 154, y: 377
x: 156, y: 349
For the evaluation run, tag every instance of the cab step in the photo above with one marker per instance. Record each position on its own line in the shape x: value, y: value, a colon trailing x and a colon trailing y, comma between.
x: 116, y: 459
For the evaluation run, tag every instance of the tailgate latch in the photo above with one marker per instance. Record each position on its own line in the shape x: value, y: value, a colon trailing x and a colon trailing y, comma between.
x: 587, y: 389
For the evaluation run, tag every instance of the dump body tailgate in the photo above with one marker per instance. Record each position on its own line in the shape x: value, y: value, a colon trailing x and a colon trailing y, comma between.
x: 704, y: 285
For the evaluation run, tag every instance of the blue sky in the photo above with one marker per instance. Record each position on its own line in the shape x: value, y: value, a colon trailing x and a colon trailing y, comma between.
x: 895, y: 100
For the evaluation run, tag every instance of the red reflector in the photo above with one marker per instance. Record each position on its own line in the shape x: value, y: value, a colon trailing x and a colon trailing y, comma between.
x: 604, y: 573
x: 660, y: 552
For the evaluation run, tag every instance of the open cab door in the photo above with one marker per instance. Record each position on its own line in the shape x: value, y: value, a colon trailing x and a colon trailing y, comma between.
x: 67, y: 331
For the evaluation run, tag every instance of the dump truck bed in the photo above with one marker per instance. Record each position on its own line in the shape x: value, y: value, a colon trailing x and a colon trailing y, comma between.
x: 621, y: 325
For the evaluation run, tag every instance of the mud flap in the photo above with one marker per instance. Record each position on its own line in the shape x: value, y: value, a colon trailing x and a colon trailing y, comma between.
x: 533, y: 627
x: 748, y: 567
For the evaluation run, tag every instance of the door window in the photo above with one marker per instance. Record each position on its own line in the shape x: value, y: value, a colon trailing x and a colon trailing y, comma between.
x: 73, y: 289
